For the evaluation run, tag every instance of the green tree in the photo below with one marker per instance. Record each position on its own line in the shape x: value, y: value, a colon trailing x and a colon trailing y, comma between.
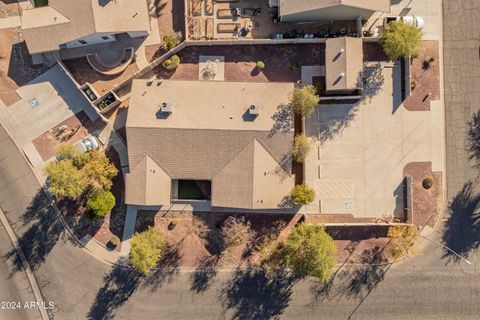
x: 101, y: 203
x: 65, y: 179
x: 260, y: 65
x: 401, y: 40
x: 99, y: 170
x: 301, y: 148
x: 302, y: 194
x: 309, y: 250
x: 69, y: 152
x: 402, y: 240
x: 147, y: 249
x: 304, y: 100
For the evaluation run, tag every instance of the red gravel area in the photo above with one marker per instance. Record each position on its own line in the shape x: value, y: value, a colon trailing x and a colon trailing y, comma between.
x: 427, y: 78
x: 373, y: 52
x: 194, y: 251
x: 282, y: 62
x: 83, y: 72
x: 426, y: 203
x: 102, y: 229
x: 80, y: 126
x: 358, y: 244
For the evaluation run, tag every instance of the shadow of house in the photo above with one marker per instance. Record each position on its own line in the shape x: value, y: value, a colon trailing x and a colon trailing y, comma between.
x: 118, y: 286
x: 252, y: 294
x: 45, y: 230
x: 462, y: 231
x: 20, y: 67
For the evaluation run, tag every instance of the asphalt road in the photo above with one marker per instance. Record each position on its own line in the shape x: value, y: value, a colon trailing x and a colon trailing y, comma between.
x: 15, y: 289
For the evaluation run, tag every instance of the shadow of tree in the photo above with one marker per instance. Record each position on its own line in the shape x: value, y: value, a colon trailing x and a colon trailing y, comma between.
x: 45, y: 230
x: 203, y: 276
x: 473, y: 140
x: 252, y: 294
x: 118, y: 286
x: 166, y: 271
x: 462, y: 231
x: 283, y: 119
x: 371, y: 80
x: 335, y: 126
x: 353, y: 280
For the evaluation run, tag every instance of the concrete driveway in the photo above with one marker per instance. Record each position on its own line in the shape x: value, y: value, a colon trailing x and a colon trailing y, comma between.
x: 429, y: 10
x: 360, y: 150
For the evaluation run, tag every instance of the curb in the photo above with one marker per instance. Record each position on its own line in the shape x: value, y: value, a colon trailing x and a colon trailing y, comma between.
x: 28, y: 271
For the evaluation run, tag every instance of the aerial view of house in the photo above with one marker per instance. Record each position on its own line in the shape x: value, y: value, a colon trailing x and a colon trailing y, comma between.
x: 239, y: 159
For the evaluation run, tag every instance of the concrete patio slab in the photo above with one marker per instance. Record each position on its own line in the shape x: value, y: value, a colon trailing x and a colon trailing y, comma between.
x: 46, y: 101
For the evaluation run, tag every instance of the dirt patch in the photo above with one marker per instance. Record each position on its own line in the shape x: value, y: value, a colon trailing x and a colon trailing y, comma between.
x: 282, y: 62
x: 83, y: 73
x: 426, y: 77
x: 71, y: 130
x: 373, y: 52
x: 102, y: 229
x: 426, y: 202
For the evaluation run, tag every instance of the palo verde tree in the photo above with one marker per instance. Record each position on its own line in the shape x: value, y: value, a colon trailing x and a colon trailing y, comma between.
x: 302, y: 194
x: 401, y: 40
x: 301, y: 148
x: 310, y: 250
x: 304, y: 100
x: 66, y: 180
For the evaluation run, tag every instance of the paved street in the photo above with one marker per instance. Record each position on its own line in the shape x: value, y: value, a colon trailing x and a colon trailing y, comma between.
x: 14, y: 285
x: 462, y: 87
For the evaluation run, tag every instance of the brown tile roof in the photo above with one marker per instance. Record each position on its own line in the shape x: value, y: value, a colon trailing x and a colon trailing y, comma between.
x: 144, y: 181
x: 45, y: 28
x: 218, y: 150
x: 343, y: 63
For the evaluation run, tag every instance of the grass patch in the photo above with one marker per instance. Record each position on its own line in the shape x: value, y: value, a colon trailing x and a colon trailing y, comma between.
x: 188, y: 189
x: 41, y: 3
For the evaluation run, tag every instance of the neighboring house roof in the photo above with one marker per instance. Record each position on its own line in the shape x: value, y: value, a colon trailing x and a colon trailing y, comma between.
x: 343, y: 63
x: 45, y: 28
x: 144, y: 181
x: 209, y: 136
x: 298, y: 6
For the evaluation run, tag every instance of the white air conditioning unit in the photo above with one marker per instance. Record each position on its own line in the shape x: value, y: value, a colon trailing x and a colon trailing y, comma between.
x: 254, y: 110
x: 166, y: 107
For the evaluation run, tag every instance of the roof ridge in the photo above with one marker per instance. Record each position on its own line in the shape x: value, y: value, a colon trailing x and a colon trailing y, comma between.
x: 233, y: 158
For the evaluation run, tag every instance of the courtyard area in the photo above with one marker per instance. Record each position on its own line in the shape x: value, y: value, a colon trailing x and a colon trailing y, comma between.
x: 360, y: 150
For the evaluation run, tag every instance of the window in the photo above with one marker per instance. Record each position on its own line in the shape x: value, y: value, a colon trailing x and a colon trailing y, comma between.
x: 82, y: 41
x: 105, y: 37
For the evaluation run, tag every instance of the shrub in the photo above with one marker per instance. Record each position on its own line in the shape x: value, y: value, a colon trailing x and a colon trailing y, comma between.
x: 114, y: 240
x: 304, y: 100
x: 65, y: 180
x: 309, y: 250
x: 172, y: 63
x: 147, y: 249
x: 427, y: 183
x: 173, y: 223
x: 301, y: 148
x: 236, y: 231
x: 101, y: 203
x: 171, y: 40
x: 402, y: 240
x: 302, y: 194
x: 260, y: 65
x: 413, y: 84
x: 401, y: 40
